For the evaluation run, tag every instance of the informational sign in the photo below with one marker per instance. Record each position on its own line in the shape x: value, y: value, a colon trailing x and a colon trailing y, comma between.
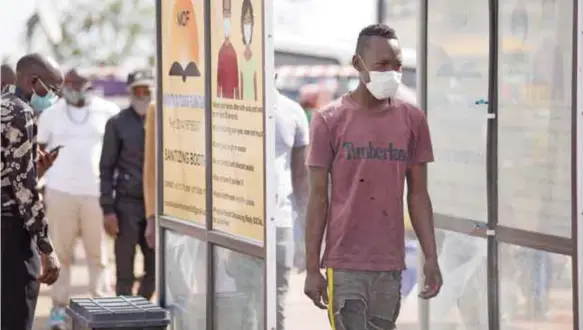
x: 183, y: 113
x: 238, y: 154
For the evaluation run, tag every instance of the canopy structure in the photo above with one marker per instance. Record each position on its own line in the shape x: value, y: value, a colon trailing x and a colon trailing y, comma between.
x: 502, y: 85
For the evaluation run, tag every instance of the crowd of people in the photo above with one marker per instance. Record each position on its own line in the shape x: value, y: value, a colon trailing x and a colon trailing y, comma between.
x: 73, y: 167
x: 87, y: 182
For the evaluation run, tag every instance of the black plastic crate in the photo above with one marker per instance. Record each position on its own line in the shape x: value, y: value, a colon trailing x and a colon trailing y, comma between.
x: 128, y: 313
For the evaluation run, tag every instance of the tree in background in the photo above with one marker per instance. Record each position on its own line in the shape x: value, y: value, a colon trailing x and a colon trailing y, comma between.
x: 106, y: 32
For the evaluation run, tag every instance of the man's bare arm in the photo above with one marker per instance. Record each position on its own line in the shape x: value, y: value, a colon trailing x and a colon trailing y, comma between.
x: 420, y: 209
x: 299, y: 173
x: 316, y: 216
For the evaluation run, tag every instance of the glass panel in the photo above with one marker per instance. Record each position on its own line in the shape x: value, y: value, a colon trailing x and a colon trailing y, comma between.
x: 463, y: 300
x: 239, y: 287
x: 185, y: 271
x: 535, y: 289
x: 457, y: 76
x: 401, y: 15
x: 535, y: 115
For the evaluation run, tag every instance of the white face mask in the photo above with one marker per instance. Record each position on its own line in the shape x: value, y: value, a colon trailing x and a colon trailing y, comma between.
x: 227, y: 26
x: 140, y: 104
x: 383, y: 84
x: 247, y: 33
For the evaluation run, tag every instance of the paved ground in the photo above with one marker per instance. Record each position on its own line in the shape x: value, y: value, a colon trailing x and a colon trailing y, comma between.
x: 79, y: 287
x: 302, y: 315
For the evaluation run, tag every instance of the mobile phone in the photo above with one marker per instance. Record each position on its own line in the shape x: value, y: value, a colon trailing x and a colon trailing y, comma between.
x: 55, y: 149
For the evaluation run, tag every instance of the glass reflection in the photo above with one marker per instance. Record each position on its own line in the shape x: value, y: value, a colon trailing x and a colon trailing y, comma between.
x: 462, y: 302
x: 535, y: 116
x: 535, y: 289
x: 239, y: 301
x: 401, y: 15
x: 185, y: 271
x: 457, y: 76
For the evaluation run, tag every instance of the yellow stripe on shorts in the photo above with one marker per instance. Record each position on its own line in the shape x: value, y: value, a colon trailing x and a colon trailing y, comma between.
x: 330, y: 277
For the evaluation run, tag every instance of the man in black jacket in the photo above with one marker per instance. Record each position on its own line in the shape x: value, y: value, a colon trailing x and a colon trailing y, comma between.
x: 122, y: 198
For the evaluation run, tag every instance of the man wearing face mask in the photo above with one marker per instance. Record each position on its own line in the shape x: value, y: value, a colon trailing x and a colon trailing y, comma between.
x: 74, y: 125
x: 122, y: 198
x: 28, y: 258
x: 227, y: 68
x: 368, y: 142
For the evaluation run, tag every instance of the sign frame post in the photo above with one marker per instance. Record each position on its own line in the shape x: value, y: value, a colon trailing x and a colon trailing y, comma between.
x: 175, y: 99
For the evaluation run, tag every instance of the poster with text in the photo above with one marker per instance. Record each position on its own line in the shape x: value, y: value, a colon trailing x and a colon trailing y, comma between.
x: 183, y: 109
x: 238, y: 117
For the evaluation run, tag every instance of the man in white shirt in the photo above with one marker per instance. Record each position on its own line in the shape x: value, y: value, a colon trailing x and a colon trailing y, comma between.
x: 76, y: 125
x: 291, y: 141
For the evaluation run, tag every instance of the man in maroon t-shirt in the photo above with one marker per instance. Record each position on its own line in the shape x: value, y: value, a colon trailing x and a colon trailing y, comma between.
x: 227, y: 69
x: 369, y: 142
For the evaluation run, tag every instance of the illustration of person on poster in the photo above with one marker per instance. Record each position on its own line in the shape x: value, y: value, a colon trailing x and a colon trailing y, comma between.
x: 184, y: 54
x: 228, y: 70
x: 248, y: 65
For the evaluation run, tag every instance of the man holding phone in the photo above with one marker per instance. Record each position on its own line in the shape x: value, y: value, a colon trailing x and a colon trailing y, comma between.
x: 74, y: 126
x: 28, y: 257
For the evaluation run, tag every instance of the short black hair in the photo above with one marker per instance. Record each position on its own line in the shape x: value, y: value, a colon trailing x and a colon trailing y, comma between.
x: 374, y: 30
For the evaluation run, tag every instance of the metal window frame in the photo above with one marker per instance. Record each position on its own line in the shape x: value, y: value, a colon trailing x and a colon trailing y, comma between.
x: 577, y: 162
x: 205, y: 233
x: 423, y: 312
x: 571, y: 246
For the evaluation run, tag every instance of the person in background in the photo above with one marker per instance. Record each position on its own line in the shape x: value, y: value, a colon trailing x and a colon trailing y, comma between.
x: 7, y: 76
x: 75, y: 124
x: 122, y: 197
x: 313, y: 97
x: 291, y: 141
x: 24, y: 225
x: 368, y: 142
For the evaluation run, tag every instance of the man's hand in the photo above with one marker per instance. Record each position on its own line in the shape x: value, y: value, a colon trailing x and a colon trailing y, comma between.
x: 150, y: 232
x: 111, y: 225
x: 316, y: 288
x: 44, y: 161
x: 50, y: 268
x: 433, y: 280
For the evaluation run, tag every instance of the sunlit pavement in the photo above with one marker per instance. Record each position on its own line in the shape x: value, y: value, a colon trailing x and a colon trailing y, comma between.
x: 302, y: 315
x: 79, y: 286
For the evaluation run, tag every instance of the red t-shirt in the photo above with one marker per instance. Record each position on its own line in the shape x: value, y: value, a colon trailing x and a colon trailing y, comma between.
x: 367, y: 152
x: 227, y: 72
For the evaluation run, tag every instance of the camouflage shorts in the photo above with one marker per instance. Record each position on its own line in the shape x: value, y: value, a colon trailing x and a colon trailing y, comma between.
x: 363, y: 300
